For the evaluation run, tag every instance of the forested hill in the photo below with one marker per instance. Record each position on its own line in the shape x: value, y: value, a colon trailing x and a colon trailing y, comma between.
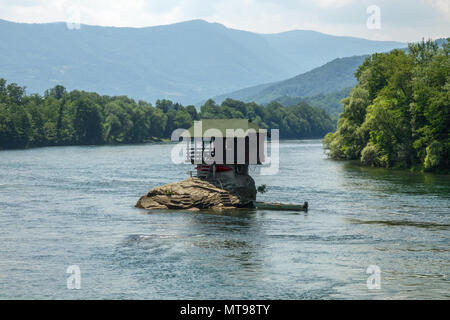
x: 188, y: 62
x: 330, y: 102
x: 81, y: 118
x: 324, y: 85
x: 398, y: 115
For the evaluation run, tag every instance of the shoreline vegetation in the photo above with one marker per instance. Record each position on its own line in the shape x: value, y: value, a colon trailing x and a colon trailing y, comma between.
x: 398, y: 114
x: 61, y: 118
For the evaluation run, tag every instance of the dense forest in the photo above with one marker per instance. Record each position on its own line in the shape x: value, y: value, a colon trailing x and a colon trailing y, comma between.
x: 82, y: 118
x: 397, y: 116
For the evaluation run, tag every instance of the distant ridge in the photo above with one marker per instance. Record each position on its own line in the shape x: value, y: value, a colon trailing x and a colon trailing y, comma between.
x: 334, y: 76
x: 185, y: 62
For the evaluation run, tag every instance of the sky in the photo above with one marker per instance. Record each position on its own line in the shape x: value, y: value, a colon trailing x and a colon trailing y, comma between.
x: 400, y: 20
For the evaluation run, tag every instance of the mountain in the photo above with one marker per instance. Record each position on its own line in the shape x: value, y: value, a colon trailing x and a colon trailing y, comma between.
x: 330, y: 102
x: 332, y: 77
x: 185, y: 62
x: 312, y: 49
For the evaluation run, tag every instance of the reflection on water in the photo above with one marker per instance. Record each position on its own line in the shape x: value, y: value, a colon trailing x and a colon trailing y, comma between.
x: 74, y: 205
x: 398, y: 181
x: 417, y: 224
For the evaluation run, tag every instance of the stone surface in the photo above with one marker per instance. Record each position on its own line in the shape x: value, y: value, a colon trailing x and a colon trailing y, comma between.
x: 195, y: 194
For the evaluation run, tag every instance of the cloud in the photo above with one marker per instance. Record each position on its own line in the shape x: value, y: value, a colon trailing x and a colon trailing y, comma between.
x: 399, y: 19
x: 442, y: 6
x: 332, y: 3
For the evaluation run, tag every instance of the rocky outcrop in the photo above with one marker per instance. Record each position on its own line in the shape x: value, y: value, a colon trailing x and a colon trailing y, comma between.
x: 195, y: 194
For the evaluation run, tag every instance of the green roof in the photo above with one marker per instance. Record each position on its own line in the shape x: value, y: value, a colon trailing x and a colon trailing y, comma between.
x: 222, y: 125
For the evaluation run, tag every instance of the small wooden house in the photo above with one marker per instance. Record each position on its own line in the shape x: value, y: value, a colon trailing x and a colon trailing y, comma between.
x: 224, y: 147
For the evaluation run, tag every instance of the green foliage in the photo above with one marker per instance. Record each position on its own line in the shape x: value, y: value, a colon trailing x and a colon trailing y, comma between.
x: 398, y: 115
x: 371, y: 155
x: 87, y: 122
x: 262, y: 189
x: 435, y: 152
x: 83, y: 118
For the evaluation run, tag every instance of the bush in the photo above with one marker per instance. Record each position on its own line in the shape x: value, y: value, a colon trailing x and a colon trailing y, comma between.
x: 434, y: 155
x: 370, y: 155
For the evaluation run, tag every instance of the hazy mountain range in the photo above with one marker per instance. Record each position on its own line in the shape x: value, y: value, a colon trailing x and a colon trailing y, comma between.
x: 333, y: 76
x: 185, y: 62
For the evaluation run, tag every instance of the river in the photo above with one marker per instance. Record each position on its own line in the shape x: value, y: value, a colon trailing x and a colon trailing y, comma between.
x: 74, y: 206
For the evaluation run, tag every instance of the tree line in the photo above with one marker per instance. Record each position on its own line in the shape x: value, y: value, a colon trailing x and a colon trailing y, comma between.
x: 398, y: 114
x: 59, y: 118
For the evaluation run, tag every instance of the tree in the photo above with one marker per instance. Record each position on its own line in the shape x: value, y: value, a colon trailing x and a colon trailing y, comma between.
x: 87, y: 123
x: 15, y: 93
x: 56, y: 92
x: 398, y: 114
x: 77, y: 117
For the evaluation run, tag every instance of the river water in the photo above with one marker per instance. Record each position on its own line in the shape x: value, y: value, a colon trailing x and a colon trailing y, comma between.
x: 67, y: 206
